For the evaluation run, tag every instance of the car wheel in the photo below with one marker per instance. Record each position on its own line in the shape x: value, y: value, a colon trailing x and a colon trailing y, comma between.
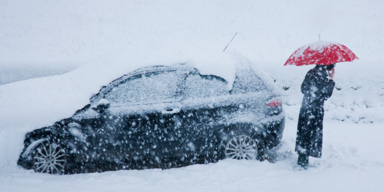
x: 241, y: 147
x: 49, y: 158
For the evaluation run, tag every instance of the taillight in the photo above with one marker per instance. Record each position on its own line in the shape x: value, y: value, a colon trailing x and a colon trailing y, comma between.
x: 275, y: 102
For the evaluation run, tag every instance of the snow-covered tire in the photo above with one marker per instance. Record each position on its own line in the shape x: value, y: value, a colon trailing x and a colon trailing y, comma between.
x: 49, y: 157
x: 241, y: 147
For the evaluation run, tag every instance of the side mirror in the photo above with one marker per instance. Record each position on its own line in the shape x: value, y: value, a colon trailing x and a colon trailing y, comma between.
x: 101, y: 105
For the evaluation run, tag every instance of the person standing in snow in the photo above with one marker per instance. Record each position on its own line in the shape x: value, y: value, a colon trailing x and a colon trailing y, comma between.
x: 317, y: 87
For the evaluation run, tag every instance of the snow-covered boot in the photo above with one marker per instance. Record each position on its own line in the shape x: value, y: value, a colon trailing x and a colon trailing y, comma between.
x: 303, y: 161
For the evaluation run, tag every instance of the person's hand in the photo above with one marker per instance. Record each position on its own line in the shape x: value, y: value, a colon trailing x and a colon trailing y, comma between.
x: 331, y: 73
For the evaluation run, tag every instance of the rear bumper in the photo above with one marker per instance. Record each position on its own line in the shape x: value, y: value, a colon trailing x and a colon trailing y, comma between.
x: 274, y: 131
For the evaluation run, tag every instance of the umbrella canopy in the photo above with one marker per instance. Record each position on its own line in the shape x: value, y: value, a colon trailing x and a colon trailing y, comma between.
x: 321, y: 53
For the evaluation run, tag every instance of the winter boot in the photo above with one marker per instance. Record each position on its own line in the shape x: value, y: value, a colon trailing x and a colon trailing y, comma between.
x: 303, y: 161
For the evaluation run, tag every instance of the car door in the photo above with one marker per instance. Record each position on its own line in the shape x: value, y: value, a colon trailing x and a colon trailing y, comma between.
x: 205, y: 97
x: 144, y: 119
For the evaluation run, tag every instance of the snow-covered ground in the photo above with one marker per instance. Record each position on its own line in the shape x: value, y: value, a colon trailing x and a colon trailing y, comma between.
x: 111, y: 39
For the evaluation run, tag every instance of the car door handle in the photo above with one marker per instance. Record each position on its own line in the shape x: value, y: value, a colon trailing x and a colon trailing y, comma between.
x: 170, y: 110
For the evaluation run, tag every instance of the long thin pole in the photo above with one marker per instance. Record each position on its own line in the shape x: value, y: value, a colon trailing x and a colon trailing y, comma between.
x: 229, y: 42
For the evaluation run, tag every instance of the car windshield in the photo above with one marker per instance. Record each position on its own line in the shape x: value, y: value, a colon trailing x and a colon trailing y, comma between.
x: 145, y: 88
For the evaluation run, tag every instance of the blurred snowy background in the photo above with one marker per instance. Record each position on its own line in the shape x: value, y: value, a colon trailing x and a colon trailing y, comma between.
x: 82, y: 45
x: 41, y: 38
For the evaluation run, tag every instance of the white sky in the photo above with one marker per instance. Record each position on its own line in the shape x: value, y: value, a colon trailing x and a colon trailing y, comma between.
x: 71, y: 31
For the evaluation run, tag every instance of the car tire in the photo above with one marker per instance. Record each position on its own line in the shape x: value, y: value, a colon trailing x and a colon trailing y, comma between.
x: 241, y: 147
x: 49, y: 157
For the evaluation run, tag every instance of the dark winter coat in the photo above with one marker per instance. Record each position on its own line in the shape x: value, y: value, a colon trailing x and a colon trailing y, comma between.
x: 316, y: 87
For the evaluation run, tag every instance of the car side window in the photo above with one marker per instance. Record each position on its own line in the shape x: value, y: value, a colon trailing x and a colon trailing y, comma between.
x: 203, y: 86
x: 145, y: 88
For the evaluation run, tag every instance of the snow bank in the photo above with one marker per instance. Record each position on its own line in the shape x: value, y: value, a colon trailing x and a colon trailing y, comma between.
x: 12, y: 72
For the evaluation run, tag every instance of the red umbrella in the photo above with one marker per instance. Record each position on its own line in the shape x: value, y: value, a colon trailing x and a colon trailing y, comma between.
x: 321, y: 53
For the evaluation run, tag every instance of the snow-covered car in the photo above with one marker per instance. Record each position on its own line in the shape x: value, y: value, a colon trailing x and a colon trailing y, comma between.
x: 162, y: 117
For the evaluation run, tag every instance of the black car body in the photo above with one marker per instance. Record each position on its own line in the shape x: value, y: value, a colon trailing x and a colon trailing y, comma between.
x: 161, y: 117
